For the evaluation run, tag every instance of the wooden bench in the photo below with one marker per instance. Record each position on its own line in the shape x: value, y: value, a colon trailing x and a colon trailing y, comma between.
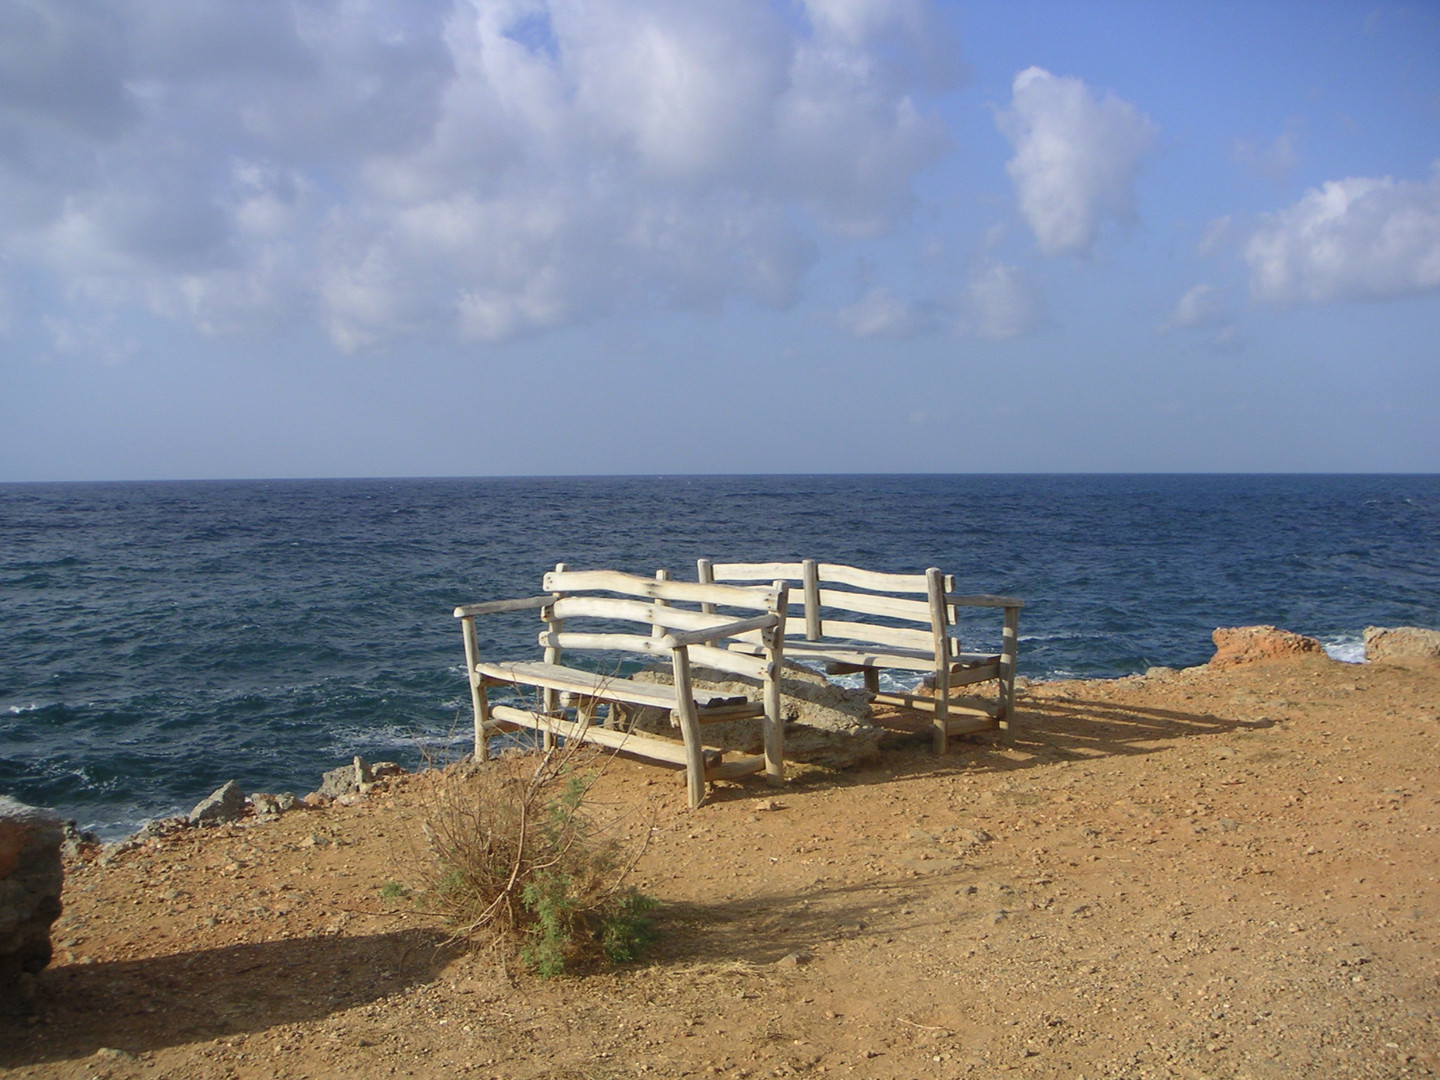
x: 597, y: 612
x: 865, y: 621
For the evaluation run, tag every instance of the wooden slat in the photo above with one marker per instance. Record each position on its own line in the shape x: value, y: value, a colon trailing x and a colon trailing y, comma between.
x: 575, y: 681
x: 609, y: 607
x: 491, y: 607
x: 752, y: 571
x: 908, y: 659
x: 981, y: 600
x: 736, y: 628
x: 926, y: 703
x: 973, y: 659
x: 871, y: 604
x: 753, y: 598
x: 968, y: 676
x: 581, y: 639
x: 872, y: 579
x: 900, y: 637
x: 647, y: 746
x: 733, y: 663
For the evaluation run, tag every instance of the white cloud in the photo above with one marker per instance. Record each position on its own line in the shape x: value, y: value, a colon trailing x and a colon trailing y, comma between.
x: 997, y: 303
x: 1001, y: 303
x: 1203, y: 305
x: 1273, y: 161
x: 880, y: 313
x: 1217, y: 235
x: 1362, y: 238
x: 492, y: 169
x: 1076, y: 158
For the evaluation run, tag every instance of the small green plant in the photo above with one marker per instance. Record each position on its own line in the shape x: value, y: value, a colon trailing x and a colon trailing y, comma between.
x: 519, y: 853
x: 393, y: 890
x: 628, y: 930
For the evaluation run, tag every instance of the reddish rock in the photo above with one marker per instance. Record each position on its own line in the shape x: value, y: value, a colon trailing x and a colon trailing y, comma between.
x: 1402, y: 645
x: 1249, y: 644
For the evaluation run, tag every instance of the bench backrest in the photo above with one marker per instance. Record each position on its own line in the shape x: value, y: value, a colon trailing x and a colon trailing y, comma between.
x: 906, y: 611
x: 667, y: 610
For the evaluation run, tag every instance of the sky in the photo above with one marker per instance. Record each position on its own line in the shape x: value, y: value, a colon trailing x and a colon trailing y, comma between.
x: 314, y: 238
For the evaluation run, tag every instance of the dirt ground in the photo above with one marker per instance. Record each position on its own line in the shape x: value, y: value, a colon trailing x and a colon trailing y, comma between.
x: 1191, y: 874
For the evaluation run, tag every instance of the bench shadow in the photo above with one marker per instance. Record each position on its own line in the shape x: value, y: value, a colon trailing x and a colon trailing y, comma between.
x: 1049, y: 731
x: 765, y: 929
x: 136, y: 1006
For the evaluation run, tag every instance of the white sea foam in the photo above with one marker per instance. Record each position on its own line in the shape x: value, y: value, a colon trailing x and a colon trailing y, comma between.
x: 1347, y: 648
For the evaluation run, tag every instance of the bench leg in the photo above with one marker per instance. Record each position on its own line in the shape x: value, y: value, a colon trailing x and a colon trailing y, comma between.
x: 689, y: 728
x: 478, y: 700
x: 941, y: 724
x: 1010, y: 647
x: 774, y: 639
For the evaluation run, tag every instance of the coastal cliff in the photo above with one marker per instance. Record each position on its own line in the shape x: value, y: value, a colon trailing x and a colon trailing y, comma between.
x: 1218, y: 871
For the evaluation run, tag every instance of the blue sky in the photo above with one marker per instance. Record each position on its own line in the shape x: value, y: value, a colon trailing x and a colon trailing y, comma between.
x: 384, y: 238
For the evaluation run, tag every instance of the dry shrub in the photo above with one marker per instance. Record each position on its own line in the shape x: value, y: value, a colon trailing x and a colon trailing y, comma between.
x: 520, y: 855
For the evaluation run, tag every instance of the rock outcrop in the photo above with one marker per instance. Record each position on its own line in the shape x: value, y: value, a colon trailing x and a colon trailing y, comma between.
x: 31, y: 875
x: 225, y: 803
x: 1250, y: 644
x: 1402, y: 645
x: 357, y: 778
x: 825, y: 724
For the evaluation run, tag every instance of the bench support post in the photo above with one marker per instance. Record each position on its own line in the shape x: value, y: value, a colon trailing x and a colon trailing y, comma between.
x: 774, y: 639
x: 689, y: 722
x: 478, y: 701
x: 1008, y: 650
x: 940, y: 627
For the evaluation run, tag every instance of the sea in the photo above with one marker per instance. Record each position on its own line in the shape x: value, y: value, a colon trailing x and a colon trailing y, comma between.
x: 158, y: 639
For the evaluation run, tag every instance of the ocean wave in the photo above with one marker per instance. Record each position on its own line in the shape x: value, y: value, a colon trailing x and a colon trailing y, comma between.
x: 1347, y: 648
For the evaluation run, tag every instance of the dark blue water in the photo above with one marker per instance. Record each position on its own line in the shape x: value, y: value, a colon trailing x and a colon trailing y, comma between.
x: 157, y: 639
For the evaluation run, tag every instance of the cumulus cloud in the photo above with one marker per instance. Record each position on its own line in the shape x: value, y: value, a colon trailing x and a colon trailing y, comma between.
x: 1203, y: 305
x: 1275, y: 160
x: 1205, y: 308
x: 1000, y: 303
x: 996, y: 303
x: 1076, y: 158
x: 482, y: 170
x: 1361, y: 238
x: 880, y: 313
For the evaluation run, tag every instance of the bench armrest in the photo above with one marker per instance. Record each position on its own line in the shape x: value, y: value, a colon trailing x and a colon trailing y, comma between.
x: 491, y: 607
x: 714, y: 633
x: 984, y: 601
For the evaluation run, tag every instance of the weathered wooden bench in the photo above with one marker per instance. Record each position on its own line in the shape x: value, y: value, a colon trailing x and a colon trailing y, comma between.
x: 655, y: 617
x: 866, y: 621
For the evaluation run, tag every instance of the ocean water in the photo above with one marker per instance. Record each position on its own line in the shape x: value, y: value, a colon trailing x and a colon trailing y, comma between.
x: 158, y: 639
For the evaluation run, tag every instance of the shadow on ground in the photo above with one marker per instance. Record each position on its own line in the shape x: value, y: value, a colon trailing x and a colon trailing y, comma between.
x: 148, y: 1004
